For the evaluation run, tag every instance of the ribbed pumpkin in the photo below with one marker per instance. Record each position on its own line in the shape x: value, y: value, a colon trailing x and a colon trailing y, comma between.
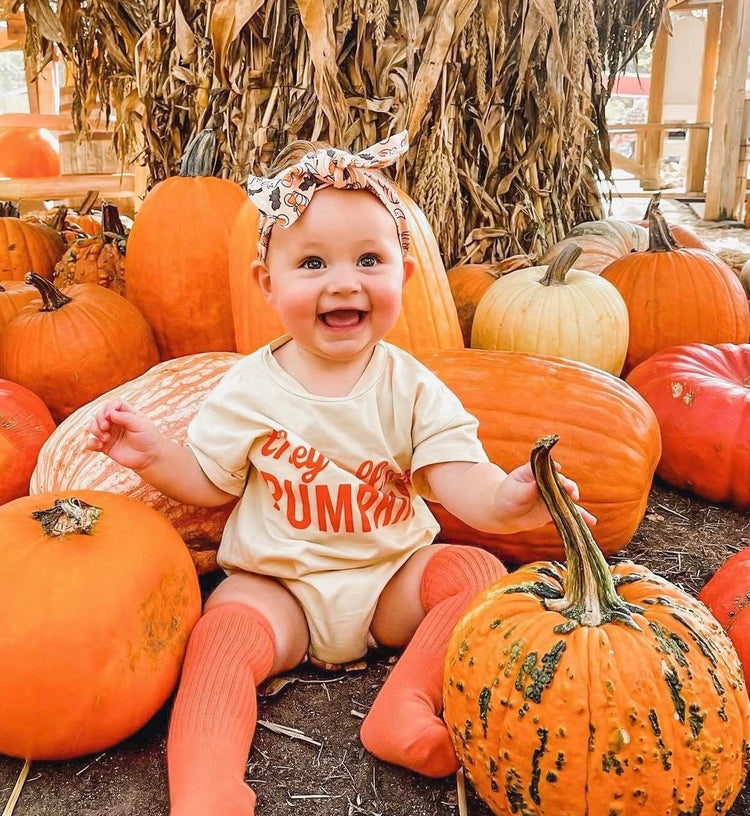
x: 726, y: 595
x: 676, y: 296
x: 602, y: 242
x: 177, y: 258
x: 14, y: 295
x: 26, y: 247
x: 25, y: 424
x: 428, y: 319
x: 97, y: 598
x: 610, y: 439
x: 684, y: 236
x: 591, y: 690
x: 468, y: 282
x: 170, y: 393
x: 555, y: 310
x: 98, y: 259
x: 27, y: 154
x: 75, y: 345
x: 701, y: 397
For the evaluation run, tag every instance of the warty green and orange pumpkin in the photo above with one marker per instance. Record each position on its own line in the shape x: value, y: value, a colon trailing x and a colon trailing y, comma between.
x: 177, y: 257
x: 677, y: 295
x: 98, y: 596
x: 581, y: 689
x: 26, y: 247
x: 170, y: 393
x: 610, y: 436
x: 701, y: 397
x: 69, y: 347
x: 556, y: 310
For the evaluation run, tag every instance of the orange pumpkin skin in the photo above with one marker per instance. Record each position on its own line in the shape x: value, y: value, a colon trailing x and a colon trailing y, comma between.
x: 25, y: 423
x: 701, y: 399
x: 428, y: 319
x: 27, y: 154
x: 170, y: 393
x: 726, y: 595
x: 549, y: 717
x: 14, y: 295
x: 177, y: 263
x: 676, y: 296
x: 94, y: 626
x: 27, y: 247
x: 609, y: 440
x: 73, y: 353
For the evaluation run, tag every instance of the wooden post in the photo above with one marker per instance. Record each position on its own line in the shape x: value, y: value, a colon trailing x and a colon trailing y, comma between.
x: 653, y: 140
x: 721, y: 194
x: 41, y: 86
x: 698, y: 145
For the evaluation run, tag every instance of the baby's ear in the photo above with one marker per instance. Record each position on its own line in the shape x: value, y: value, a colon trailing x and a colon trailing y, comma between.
x: 410, y: 266
x: 262, y: 277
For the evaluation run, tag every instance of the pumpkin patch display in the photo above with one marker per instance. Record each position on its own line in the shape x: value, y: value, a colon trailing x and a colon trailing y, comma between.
x: 586, y: 689
x: 727, y: 594
x: 701, y: 397
x: 25, y: 424
x: 428, y: 319
x: 555, y: 310
x: 72, y: 346
x: 97, y: 598
x: 677, y: 295
x: 469, y: 282
x: 170, y: 393
x: 610, y: 444
x: 26, y: 247
x: 602, y: 242
x: 177, y: 257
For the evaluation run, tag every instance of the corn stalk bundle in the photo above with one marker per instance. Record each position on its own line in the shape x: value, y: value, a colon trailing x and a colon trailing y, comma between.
x: 503, y: 99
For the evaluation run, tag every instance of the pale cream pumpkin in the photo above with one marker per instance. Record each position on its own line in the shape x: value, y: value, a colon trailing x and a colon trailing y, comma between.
x: 555, y: 310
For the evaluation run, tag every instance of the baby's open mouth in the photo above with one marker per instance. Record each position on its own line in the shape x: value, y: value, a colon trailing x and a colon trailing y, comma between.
x: 342, y: 318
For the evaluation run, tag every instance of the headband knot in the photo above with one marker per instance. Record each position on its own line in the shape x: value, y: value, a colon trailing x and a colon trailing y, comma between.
x: 282, y: 199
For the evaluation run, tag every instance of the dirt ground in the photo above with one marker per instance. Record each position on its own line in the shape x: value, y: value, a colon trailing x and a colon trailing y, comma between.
x: 324, y: 770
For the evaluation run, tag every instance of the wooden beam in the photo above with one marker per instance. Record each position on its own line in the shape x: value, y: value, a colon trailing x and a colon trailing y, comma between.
x: 698, y: 145
x: 32, y: 121
x: 653, y: 141
x: 67, y: 186
x: 722, y: 200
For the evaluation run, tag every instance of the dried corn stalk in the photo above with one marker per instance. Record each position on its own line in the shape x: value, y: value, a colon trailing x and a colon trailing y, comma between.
x: 503, y: 99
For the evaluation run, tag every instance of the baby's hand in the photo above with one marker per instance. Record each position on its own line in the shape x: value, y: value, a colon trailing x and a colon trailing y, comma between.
x: 125, y: 435
x: 519, y: 498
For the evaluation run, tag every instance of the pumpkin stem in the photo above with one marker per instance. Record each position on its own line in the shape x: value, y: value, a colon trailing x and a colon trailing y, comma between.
x: 88, y: 202
x: 111, y: 224
x: 590, y: 596
x: 58, y: 219
x: 199, y: 158
x: 52, y: 298
x: 510, y: 264
x: 9, y: 209
x: 561, y: 265
x: 70, y: 515
x: 653, y: 204
x: 660, y: 238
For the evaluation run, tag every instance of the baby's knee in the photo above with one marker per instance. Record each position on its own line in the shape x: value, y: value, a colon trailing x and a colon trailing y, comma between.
x: 457, y: 569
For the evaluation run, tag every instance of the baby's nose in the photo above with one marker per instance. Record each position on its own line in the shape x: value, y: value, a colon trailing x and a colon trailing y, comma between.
x: 344, y: 279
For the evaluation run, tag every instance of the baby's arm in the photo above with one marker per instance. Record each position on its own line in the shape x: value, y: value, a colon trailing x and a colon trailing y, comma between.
x: 487, y: 498
x: 133, y: 440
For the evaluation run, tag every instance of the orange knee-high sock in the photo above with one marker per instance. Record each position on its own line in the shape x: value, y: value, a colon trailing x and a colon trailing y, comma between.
x: 404, y: 724
x: 230, y: 651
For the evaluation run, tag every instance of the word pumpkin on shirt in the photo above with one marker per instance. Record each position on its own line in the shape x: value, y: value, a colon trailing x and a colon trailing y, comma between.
x: 375, y: 496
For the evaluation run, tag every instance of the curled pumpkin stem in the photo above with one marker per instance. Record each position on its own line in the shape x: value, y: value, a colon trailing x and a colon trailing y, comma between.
x: 561, y: 265
x: 67, y: 516
x: 52, y: 298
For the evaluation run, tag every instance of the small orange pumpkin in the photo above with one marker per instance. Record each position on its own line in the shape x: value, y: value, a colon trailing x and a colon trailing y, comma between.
x: 27, y: 154
x: 26, y: 247
x: 14, y: 295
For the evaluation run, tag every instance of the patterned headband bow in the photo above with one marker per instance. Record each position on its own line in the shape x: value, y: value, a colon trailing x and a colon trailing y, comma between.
x: 282, y: 199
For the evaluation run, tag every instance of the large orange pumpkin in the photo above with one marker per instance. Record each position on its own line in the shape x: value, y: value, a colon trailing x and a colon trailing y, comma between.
x: 677, y: 295
x: 72, y: 346
x: 14, y: 295
x: 592, y: 690
x: 25, y: 423
x: 170, y: 393
x: 610, y: 439
x: 26, y: 247
x: 95, y: 612
x: 701, y: 397
x: 27, y: 154
x: 428, y: 319
x: 177, y: 258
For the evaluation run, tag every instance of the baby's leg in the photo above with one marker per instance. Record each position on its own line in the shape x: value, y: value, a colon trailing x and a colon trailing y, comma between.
x: 404, y: 724
x: 233, y: 647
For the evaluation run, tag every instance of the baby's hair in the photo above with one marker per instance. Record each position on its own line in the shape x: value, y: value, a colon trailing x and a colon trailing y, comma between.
x: 294, y: 152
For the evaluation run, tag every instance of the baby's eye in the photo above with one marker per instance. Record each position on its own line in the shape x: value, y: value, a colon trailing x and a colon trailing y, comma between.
x: 368, y: 260
x: 312, y: 263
